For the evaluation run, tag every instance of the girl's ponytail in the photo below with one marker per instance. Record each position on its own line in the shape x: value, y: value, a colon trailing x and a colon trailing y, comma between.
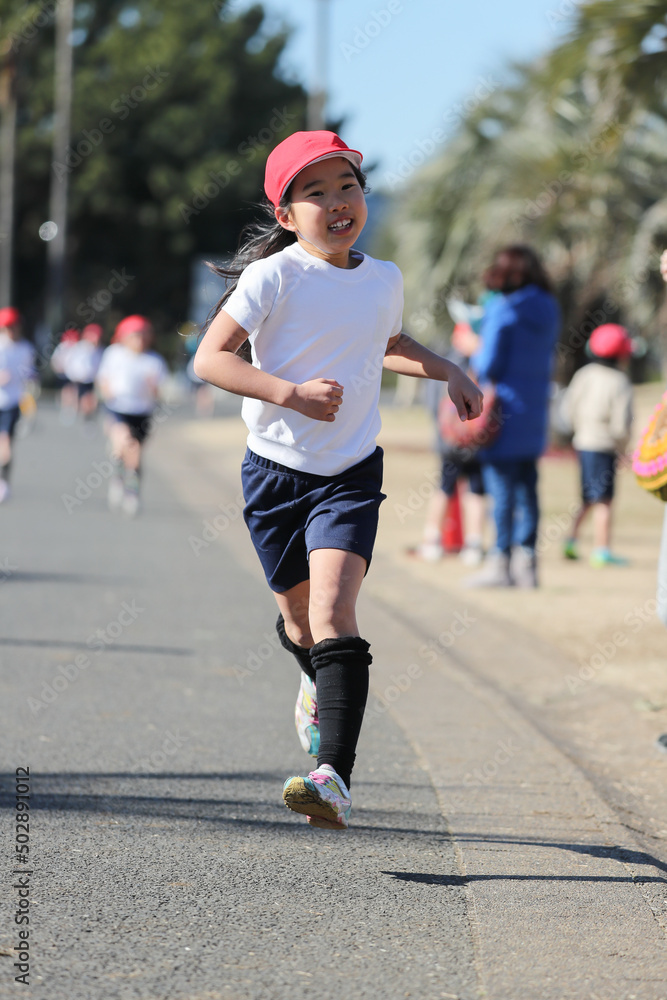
x: 260, y: 238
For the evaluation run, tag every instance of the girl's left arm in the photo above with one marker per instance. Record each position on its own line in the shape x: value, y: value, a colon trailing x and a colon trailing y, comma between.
x: 406, y: 356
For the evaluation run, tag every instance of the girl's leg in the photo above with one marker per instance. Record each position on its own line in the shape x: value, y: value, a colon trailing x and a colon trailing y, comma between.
x: 293, y: 630
x: 335, y: 580
x: 499, y: 482
x: 293, y: 606
x: 5, y: 453
x: 602, y: 524
x: 340, y: 657
x: 526, y: 505
x: 578, y: 520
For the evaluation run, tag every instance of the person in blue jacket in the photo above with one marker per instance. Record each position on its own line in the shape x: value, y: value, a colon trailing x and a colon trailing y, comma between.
x: 518, y: 337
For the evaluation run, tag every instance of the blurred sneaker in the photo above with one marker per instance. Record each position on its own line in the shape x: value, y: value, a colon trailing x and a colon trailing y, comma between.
x: 305, y: 716
x: 323, y: 797
x: 570, y: 549
x: 130, y: 503
x: 524, y: 568
x: 603, y: 557
x: 494, y: 573
x: 4, y: 490
x: 427, y: 552
x: 472, y: 555
x: 115, y: 493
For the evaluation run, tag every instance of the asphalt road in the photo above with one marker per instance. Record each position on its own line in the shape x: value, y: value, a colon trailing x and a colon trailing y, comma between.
x: 164, y: 861
x: 481, y: 861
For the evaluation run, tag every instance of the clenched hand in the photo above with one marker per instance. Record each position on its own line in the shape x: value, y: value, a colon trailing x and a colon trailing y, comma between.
x: 465, y: 395
x: 320, y: 398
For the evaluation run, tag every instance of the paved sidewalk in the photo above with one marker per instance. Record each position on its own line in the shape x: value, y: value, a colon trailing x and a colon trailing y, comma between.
x: 165, y: 864
x: 482, y: 861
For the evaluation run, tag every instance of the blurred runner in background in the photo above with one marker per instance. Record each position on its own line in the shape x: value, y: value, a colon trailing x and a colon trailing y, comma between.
x: 80, y: 365
x: 17, y: 367
x: 129, y: 380
x: 68, y: 394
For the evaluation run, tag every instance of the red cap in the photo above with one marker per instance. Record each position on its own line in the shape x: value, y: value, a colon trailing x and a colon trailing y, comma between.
x: 69, y: 336
x: 92, y: 332
x: 610, y: 341
x: 297, y: 151
x: 132, y: 324
x: 9, y: 316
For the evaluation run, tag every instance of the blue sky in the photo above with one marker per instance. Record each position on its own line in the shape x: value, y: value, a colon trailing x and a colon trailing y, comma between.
x: 400, y: 70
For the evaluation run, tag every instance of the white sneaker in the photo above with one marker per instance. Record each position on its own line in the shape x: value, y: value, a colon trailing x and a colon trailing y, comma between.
x: 4, y: 490
x: 472, y: 555
x: 115, y: 493
x: 130, y: 504
x: 323, y: 796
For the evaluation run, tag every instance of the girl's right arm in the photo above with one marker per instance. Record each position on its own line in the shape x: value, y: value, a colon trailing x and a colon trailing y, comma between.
x: 216, y: 362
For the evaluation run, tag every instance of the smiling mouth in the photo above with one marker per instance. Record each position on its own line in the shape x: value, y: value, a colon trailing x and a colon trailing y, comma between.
x: 340, y: 226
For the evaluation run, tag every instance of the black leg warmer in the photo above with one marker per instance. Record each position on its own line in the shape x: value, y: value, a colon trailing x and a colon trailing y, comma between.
x: 342, y: 689
x: 302, y: 655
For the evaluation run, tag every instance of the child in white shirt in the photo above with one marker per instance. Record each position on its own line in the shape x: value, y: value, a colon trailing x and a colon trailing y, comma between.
x: 322, y: 320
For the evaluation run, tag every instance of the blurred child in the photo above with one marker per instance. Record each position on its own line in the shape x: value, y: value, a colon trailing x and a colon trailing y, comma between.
x: 454, y: 467
x: 598, y: 408
x: 129, y: 379
x: 68, y: 394
x: 17, y: 367
x: 80, y: 364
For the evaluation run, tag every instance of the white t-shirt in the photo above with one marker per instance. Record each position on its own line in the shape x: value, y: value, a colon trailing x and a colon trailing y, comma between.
x: 81, y: 361
x: 17, y: 359
x: 131, y: 379
x: 307, y: 319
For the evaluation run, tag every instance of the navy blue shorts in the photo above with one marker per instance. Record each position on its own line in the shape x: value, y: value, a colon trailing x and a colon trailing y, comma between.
x: 453, y: 470
x: 290, y: 513
x: 598, y: 471
x: 138, y: 424
x: 9, y: 419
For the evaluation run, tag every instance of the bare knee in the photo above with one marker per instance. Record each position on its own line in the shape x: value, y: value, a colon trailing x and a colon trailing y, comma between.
x: 299, y: 634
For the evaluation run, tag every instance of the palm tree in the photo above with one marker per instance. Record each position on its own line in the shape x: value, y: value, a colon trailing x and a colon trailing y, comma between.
x: 566, y: 158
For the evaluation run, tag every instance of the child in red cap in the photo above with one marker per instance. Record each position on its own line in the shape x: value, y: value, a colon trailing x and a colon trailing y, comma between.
x: 598, y: 408
x: 17, y: 366
x: 322, y: 320
x: 129, y: 378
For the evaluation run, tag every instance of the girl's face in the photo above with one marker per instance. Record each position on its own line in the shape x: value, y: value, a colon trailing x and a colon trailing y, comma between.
x: 328, y: 210
x: 136, y: 341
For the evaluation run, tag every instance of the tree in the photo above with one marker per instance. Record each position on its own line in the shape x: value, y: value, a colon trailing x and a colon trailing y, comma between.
x: 566, y: 157
x: 176, y: 107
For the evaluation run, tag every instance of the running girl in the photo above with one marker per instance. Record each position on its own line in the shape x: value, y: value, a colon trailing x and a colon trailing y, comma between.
x: 129, y: 379
x: 319, y: 317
